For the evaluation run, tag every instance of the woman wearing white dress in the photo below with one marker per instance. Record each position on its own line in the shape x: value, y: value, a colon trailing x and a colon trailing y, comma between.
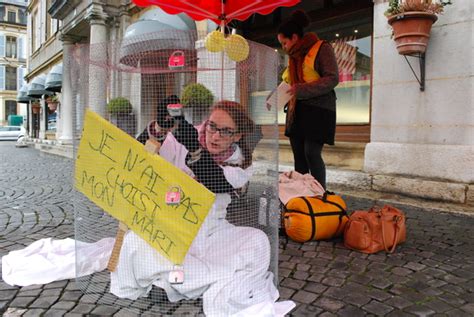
x: 227, y: 265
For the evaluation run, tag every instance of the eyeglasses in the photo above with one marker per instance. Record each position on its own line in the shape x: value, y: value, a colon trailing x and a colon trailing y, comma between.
x: 223, y: 132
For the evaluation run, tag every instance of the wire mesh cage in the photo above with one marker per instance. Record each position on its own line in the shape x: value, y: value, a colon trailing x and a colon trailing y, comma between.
x: 199, y: 104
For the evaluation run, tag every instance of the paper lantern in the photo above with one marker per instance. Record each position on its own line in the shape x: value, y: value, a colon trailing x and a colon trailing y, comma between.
x: 237, y: 48
x: 215, y: 41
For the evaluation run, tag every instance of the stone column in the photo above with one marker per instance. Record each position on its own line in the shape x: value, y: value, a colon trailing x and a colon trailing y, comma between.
x: 98, y: 56
x: 66, y: 109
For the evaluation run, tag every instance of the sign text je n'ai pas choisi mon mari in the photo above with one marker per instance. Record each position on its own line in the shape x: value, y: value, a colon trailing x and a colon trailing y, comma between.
x: 116, y: 173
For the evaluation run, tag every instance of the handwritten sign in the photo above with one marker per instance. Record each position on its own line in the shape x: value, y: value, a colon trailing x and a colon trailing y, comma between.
x: 115, y: 172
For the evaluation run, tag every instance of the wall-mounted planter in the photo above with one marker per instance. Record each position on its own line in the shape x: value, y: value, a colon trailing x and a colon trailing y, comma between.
x: 411, y: 31
x: 35, y: 108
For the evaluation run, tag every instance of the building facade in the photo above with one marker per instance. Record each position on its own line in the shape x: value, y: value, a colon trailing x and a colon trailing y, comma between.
x: 44, y: 53
x: 13, y: 42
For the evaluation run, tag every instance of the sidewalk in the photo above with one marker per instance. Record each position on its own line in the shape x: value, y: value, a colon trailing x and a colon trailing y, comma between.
x: 431, y: 274
x: 353, y: 180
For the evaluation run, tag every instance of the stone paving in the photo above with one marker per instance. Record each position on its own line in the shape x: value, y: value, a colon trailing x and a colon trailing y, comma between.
x: 432, y: 274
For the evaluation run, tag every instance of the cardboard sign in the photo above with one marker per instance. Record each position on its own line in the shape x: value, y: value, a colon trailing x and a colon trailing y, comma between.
x: 115, y: 172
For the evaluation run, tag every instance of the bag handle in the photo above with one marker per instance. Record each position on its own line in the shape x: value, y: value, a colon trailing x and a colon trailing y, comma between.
x: 343, y: 211
x: 395, y: 238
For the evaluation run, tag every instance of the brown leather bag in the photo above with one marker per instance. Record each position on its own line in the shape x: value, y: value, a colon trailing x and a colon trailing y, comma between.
x: 375, y: 230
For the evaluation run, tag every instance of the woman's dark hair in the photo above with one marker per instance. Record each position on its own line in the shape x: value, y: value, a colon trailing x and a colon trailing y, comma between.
x: 245, y: 125
x: 295, y: 24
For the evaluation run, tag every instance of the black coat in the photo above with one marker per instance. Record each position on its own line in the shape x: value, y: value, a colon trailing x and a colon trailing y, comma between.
x: 315, y: 114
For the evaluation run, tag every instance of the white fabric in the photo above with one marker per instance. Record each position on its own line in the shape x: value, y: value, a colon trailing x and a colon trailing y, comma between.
x: 226, y: 265
x: 47, y: 260
x: 267, y: 309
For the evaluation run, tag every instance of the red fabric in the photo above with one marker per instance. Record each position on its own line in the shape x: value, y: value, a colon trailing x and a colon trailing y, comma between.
x: 212, y: 9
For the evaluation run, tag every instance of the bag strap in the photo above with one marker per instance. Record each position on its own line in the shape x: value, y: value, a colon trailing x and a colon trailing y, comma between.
x: 313, y: 220
x: 342, y: 213
x: 282, y: 230
x: 325, y: 199
x: 395, y: 238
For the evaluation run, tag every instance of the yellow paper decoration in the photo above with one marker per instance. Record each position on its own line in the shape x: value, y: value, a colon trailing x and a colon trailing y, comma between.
x: 215, y: 41
x: 237, y: 48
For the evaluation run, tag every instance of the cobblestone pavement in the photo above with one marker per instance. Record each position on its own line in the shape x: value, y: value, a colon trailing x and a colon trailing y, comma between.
x: 432, y: 274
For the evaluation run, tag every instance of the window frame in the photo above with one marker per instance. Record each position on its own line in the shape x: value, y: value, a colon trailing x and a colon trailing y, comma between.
x: 11, y: 43
x: 10, y: 11
x: 11, y: 83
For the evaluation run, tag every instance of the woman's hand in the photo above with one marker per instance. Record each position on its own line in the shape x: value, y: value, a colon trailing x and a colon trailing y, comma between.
x: 186, y: 134
x: 163, y: 118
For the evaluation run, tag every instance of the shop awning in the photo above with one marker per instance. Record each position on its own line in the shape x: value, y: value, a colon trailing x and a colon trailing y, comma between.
x: 22, y: 95
x: 218, y: 10
x: 54, y: 79
x: 155, y: 31
x: 36, y: 87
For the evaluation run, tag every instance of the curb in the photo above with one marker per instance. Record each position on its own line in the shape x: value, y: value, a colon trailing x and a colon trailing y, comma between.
x: 419, y: 188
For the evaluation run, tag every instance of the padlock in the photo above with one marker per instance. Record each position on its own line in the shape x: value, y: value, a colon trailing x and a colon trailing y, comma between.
x: 173, y: 196
x: 176, y: 276
x: 175, y: 109
x: 176, y: 60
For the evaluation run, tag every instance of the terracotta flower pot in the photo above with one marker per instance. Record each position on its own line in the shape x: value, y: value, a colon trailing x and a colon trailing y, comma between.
x: 411, y: 31
x: 35, y: 108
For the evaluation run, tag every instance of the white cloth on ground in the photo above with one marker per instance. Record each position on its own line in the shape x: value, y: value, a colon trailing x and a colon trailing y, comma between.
x: 47, y: 260
x: 266, y: 309
x: 226, y: 265
x: 293, y: 184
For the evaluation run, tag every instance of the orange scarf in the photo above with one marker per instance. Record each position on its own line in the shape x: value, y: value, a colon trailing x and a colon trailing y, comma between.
x: 295, y: 67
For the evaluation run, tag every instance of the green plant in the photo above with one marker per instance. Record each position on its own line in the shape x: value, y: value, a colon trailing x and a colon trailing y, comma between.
x: 119, y: 105
x: 197, y: 95
x: 430, y: 6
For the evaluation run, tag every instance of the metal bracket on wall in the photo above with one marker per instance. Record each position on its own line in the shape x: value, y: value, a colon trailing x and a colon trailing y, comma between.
x: 421, y: 59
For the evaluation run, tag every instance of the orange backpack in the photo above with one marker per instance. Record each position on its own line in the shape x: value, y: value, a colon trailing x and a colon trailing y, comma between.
x: 315, y: 218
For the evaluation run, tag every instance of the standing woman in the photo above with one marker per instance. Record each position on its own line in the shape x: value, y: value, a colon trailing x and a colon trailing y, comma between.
x: 311, y: 114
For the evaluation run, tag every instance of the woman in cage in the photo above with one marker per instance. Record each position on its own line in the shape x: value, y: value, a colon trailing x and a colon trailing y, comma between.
x: 227, y: 265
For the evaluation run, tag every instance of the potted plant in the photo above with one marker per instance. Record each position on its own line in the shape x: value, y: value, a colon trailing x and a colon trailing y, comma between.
x: 53, y: 102
x: 197, y: 99
x: 35, y: 106
x: 411, y: 21
x: 120, y: 111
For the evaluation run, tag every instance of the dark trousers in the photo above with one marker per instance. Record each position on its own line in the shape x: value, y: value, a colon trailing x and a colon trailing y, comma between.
x: 308, y: 159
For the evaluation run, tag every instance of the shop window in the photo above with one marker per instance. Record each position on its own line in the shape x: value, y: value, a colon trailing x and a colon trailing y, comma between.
x: 353, y: 56
x: 348, y: 26
x: 352, y: 43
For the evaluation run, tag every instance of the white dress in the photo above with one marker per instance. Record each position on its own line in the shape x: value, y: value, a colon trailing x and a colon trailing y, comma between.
x: 227, y: 265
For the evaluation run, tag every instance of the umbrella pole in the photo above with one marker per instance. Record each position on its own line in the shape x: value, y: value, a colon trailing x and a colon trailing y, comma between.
x: 222, y: 62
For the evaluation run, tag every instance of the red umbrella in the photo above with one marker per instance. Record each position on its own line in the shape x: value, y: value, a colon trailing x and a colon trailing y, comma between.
x: 218, y: 10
